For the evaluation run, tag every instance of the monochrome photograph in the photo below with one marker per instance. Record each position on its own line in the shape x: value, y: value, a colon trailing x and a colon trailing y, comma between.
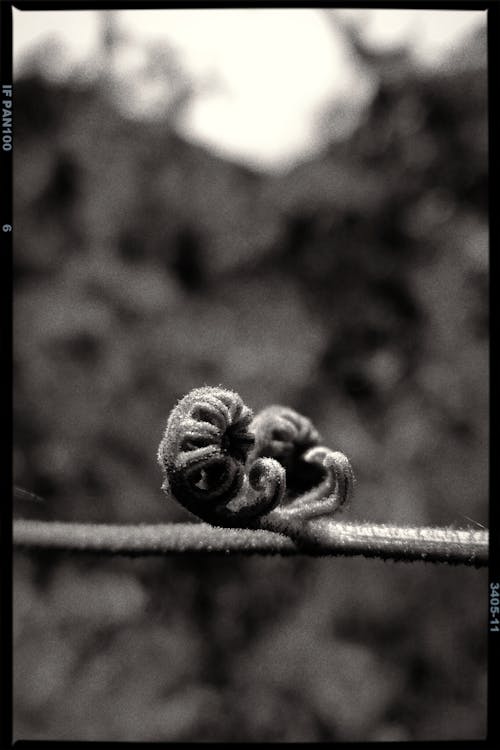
x: 250, y: 374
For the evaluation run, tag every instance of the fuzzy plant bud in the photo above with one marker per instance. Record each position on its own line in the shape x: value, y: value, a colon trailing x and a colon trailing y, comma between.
x: 203, y: 455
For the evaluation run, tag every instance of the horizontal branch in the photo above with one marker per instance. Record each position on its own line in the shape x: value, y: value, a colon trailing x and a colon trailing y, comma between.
x: 317, y: 537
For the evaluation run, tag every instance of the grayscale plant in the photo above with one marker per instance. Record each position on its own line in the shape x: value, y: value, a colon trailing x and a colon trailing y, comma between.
x: 232, y: 470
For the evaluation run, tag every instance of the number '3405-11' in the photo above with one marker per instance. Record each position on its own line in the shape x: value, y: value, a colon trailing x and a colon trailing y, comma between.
x: 494, y: 606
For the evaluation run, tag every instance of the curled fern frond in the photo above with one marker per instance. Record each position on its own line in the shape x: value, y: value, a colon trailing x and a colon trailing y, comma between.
x: 267, y: 472
x: 204, y: 453
x: 232, y: 471
x: 285, y: 435
x: 332, y: 493
x: 319, y: 480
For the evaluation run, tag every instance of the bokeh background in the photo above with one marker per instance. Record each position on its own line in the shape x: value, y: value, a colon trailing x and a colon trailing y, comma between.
x: 173, y: 231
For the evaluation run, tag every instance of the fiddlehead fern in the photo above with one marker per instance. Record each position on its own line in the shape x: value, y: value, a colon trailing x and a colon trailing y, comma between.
x: 284, y: 434
x: 319, y: 480
x: 231, y: 470
x: 203, y: 455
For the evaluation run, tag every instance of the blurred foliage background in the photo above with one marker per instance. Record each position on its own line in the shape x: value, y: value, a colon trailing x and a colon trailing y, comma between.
x: 354, y: 288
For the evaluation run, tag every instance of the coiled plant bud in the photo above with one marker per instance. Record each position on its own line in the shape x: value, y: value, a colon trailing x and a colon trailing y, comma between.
x: 319, y: 480
x: 286, y: 435
x: 204, y: 453
x: 230, y: 470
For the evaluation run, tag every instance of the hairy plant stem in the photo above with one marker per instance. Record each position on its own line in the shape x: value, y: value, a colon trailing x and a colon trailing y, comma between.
x: 317, y: 537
